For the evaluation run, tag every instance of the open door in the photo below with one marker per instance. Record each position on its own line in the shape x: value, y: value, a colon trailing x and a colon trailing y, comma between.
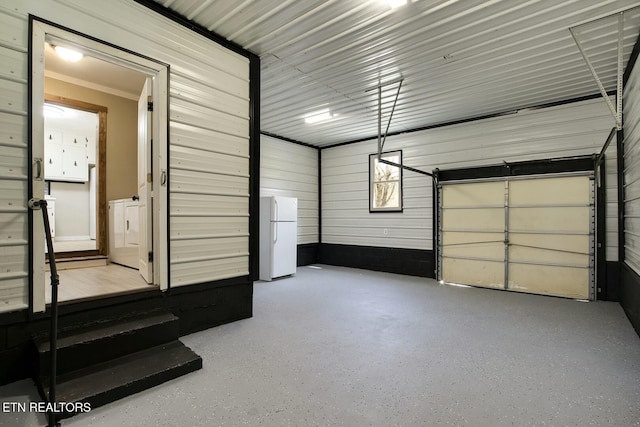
x: 145, y: 237
x: 152, y: 138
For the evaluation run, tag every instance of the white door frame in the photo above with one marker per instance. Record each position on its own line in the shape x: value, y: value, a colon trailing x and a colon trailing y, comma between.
x: 144, y: 185
x: 41, y: 33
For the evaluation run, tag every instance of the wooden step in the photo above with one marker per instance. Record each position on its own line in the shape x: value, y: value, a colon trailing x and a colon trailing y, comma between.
x: 100, y: 384
x: 83, y: 347
x: 78, y: 262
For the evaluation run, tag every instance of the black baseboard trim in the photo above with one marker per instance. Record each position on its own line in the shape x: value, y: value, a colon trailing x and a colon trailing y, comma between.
x: 412, y: 262
x: 307, y: 254
x: 612, y: 282
x: 209, y: 307
x: 630, y: 295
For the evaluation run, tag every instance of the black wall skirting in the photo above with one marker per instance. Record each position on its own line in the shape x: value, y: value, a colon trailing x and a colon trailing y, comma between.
x: 199, y: 307
x: 307, y: 254
x: 210, y: 307
x: 612, y: 282
x: 630, y: 295
x: 412, y: 262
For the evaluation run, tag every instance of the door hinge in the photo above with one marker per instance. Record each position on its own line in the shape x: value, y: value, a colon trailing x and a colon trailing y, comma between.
x: 149, y: 177
x: 150, y: 259
x: 149, y: 106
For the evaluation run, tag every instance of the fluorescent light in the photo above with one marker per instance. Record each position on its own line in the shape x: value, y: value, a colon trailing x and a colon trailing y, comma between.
x: 52, y: 111
x: 68, y: 54
x: 319, y: 116
x: 394, y: 4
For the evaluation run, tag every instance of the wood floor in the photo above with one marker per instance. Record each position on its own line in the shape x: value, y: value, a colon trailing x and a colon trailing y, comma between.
x: 93, y: 282
x: 72, y: 245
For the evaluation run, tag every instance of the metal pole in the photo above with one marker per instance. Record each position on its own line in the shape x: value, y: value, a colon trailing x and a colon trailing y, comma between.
x: 606, y: 146
x: 603, y: 92
x: 409, y: 168
x: 391, y: 116
x: 379, y: 122
x: 53, y: 331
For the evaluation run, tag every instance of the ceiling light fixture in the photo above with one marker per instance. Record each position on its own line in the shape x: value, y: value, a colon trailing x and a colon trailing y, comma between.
x: 394, y: 4
x: 52, y: 111
x: 68, y: 54
x: 319, y: 116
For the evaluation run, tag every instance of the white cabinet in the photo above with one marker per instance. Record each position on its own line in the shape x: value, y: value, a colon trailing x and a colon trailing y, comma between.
x: 51, y: 210
x: 123, y: 232
x: 65, y: 156
x: 52, y: 154
x: 92, y: 149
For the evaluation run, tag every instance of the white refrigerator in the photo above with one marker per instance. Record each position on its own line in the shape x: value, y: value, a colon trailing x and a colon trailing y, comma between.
x: 278, y: 236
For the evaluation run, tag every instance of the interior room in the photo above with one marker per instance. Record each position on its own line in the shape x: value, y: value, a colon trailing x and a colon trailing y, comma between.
x: 359, y: 213
x: 93, y: 101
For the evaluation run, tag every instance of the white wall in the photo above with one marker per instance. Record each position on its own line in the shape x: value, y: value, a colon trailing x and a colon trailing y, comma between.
x: 288, y: 169
x: 209, y: 134
x: 631, y: 106
x: 72, y: 210
x: 561, y: 131
x: 14, y: 249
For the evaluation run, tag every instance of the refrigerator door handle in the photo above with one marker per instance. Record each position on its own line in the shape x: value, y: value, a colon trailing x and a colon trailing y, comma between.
x: 275, y: 201
x: 275, y: 233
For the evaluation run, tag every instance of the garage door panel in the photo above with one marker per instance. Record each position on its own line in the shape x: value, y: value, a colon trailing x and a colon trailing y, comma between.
x: 547, y: 191
x: 493, y: 251
x: 545, y: 248
x: 549, y: 280
x: 487, y: 246
x: 547, y: 219
x: 560, y: 242
x: 479, y: 273
x: 473, y: 219
x: 536, y: 255
x: 464, y: 237
x: 473, y: 245
x: 473, y: 194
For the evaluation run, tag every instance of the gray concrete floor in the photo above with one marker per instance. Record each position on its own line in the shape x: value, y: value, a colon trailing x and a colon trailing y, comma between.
x: 347, y: 347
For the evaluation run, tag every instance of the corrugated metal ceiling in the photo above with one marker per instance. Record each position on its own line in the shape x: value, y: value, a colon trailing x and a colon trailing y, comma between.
x: 459, y: 59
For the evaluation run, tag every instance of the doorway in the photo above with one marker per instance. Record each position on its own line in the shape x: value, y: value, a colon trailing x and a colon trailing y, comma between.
x: 92, y: 267
x: 77, y: 188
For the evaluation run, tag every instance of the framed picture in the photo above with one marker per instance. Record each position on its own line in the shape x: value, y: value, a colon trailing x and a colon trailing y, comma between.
x: 385, y: 182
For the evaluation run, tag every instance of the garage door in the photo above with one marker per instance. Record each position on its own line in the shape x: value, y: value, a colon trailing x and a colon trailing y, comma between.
x: 523, y: 234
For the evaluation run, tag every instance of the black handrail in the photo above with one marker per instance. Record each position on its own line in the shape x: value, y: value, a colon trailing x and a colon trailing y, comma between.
x: 53, y: 331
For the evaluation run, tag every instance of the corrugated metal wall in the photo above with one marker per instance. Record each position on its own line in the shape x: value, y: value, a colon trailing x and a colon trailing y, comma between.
x: 14, y: 250
x: 631, y: 106
x: 209, y: 137
x: 561, y: 131
x: 288, y: 169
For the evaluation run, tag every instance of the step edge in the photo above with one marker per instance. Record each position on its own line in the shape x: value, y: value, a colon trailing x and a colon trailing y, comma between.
x: 76, y: 375
x: 104, y: 397
x: 42, y: 345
